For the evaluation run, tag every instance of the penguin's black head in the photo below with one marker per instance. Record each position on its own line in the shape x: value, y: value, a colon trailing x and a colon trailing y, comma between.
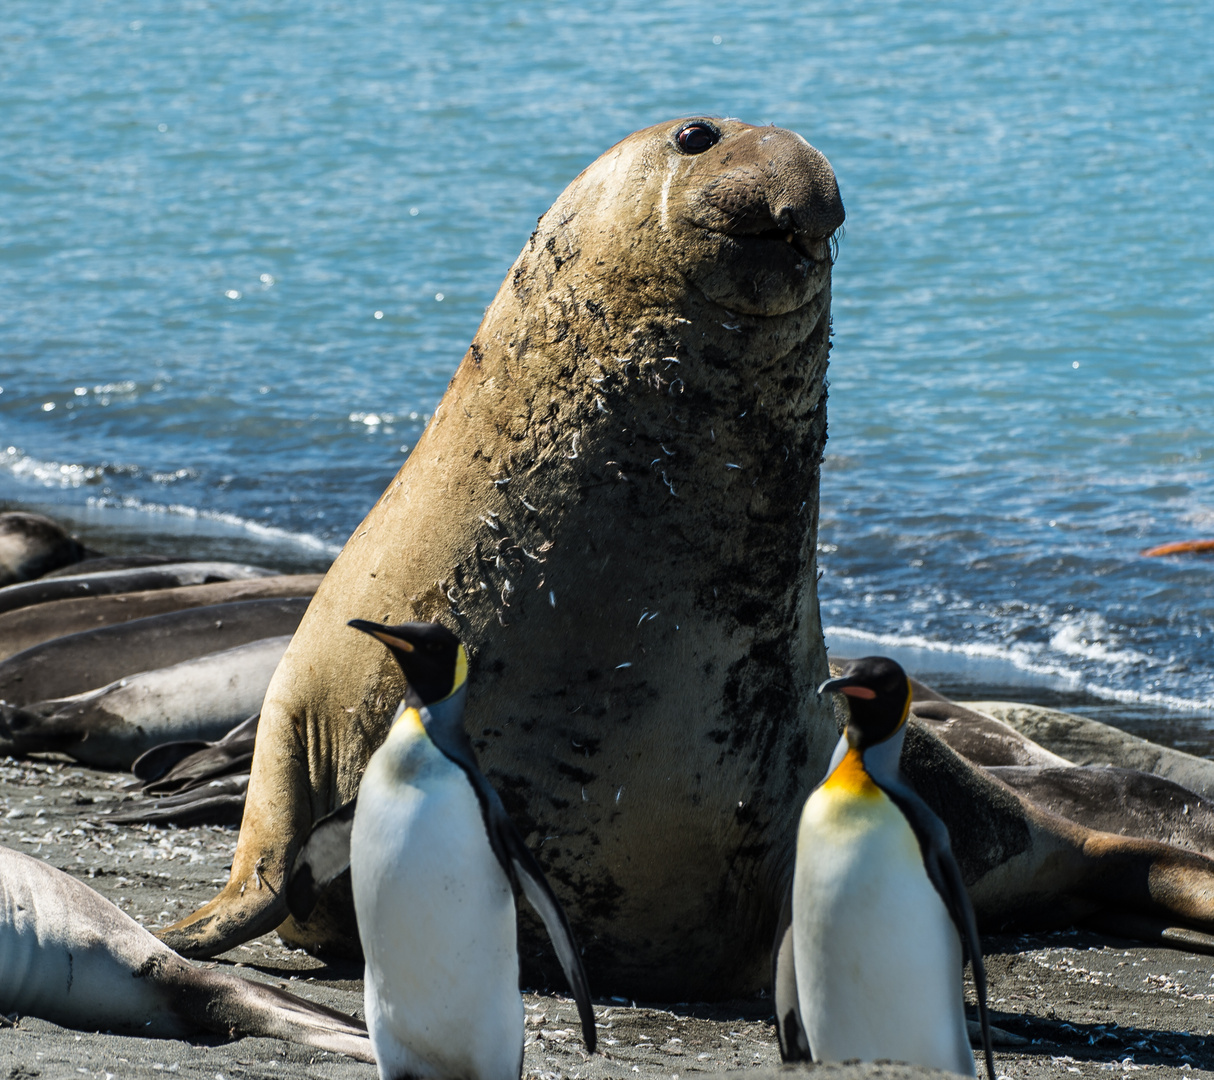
x: 434, y: 661
x: 878, y: 695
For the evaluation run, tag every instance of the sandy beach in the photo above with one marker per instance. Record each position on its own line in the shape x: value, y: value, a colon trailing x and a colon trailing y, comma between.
x: 1074, y: 1003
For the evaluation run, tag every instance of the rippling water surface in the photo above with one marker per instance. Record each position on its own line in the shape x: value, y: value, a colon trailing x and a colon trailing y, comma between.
x: 242, y: 250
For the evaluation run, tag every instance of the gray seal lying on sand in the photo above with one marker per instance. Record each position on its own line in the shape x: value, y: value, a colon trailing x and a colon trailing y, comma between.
x: 32, y: 545
x: 110, y: 727
x: 29, y: 626
x: 70, y: 956
x: 615, y: 507
x: 78, y: 663
x: 106, y: 583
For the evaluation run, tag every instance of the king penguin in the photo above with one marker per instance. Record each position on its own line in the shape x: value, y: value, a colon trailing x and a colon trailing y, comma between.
x: 435, y: 865
x: 870, y: 951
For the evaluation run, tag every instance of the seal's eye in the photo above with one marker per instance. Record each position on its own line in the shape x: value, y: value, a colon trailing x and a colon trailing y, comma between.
x: 696, y: 138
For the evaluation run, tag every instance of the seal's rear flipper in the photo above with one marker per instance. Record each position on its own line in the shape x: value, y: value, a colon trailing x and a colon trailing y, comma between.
x: 225, y: 1003
x: 1154, y: 931
x: 323, y: 858
x: 189, y: 763
x: 152, y: 764
x: 221, y: 802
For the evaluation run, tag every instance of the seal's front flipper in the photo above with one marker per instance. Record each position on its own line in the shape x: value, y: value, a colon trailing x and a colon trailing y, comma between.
x: 794, y: 1044
x: 324, y: 856
x: 180, y: 765
x: 152, y: 764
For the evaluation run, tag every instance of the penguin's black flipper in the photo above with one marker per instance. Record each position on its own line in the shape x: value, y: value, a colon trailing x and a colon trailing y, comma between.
x: 539, y: 894
x: 945, y: 875
x: 325, y: 855
x: 794, y: 1044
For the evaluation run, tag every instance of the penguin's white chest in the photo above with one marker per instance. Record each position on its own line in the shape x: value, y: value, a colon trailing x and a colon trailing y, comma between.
x: 878, y: 960
x: 437, y: 920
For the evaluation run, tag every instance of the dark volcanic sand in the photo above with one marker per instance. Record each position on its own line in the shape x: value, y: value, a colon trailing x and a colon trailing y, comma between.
x: 1088, y: 1004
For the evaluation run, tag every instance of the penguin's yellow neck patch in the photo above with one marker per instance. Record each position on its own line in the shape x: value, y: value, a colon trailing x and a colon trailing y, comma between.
x: 851, y: 778
x: 410, y: 721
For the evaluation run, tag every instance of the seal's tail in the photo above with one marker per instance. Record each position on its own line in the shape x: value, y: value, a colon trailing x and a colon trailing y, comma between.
x: 244, y: 1007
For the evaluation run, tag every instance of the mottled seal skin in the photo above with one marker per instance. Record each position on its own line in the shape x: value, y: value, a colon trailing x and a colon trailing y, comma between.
x: 615, y: 506
x: 32, y: 545
x: 1122, y: 801
x: 979, y: 738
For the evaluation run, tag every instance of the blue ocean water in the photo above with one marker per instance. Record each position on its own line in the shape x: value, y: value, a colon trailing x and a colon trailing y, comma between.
x: 244, y: 245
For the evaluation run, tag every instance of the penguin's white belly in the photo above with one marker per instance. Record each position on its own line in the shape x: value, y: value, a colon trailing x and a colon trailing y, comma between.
x: 437, y: 920
x: 878, y: 960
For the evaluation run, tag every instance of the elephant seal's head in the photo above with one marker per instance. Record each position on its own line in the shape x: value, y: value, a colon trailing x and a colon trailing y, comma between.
x: 745, y: 214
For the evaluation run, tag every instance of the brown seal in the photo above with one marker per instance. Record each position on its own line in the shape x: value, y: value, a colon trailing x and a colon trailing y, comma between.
x: 615, y: 506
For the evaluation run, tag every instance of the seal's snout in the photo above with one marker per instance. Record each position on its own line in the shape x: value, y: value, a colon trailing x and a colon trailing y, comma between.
x: 779, y: 183
x: 808, y: 193
x: 772, y: 202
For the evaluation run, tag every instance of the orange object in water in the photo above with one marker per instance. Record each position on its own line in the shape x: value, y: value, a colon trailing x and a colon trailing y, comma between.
x: 1183, y: 547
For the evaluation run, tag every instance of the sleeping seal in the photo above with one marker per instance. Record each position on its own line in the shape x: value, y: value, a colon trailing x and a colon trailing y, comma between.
x: 108, y: 728
x: 137, y: 579
x: 32, y: 545
x: 29, y: 626
x: 615, y: 507
x: 70, y: 956
x: 77, y: 663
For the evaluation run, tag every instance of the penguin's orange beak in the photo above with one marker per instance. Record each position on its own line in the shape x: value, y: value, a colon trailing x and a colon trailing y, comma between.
x: 846, y: 686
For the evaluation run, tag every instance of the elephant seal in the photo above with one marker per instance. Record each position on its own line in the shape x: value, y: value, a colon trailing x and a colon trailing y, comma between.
x: 1123, y: 801
x: 167, y: 576
x: 615, y: 507
x: 70, y: 956
x: 32, y: 545
x: 29, y: 626
x: 103, y: 564
x: 981, y: 739
x: 1089, y: 742
x: 78, y: 663
x: 110, y: 727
